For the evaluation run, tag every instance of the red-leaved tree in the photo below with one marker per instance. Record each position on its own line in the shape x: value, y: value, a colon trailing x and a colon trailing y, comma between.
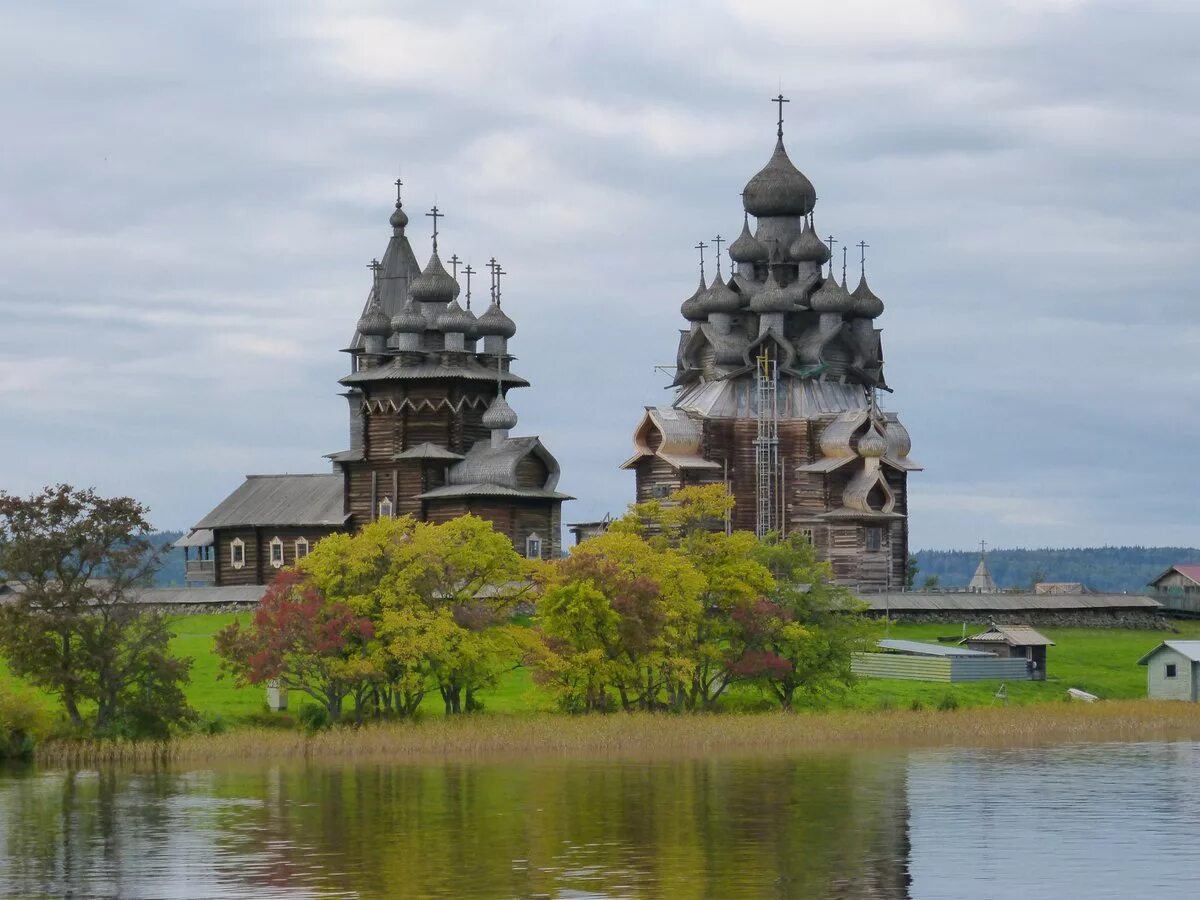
x: 302, y: 641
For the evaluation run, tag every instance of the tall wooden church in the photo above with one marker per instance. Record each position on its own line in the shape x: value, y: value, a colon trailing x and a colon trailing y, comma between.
x: 430, y: 432
x: 777, y: 378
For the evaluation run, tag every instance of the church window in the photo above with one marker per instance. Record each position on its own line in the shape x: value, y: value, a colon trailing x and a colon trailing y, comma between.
x: 874, y: 538
x: 385, y: 508
x: 807, y: 534
x: 660, y: 491
x: 533, y: 547
x: 237, y: 553
x: 276, y: 553
x: 301, y: 548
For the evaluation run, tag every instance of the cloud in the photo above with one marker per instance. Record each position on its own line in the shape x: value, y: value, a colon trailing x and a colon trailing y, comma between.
x: 189, y: 194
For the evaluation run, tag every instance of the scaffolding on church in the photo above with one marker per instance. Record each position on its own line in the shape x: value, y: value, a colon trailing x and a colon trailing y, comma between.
x: 766, y: 449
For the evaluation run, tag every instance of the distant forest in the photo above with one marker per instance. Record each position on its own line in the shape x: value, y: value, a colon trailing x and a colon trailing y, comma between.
x: 1105, y: 569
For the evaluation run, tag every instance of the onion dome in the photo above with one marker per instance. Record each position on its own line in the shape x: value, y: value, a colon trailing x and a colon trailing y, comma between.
x: 872, y: 444
x: 499, y: 416
x: 866, y: 304
x: 408, y: 320
x: 772, y: 298
x: 831, y: 298
x: 374, y: 320
x: 719, y: 298
x: 434, y: 285
x: 690, y: 309
x: 747, y: 249
x: 455, y: 318
x: 898, y: 439
x: 808, y: 247
x: 779, y: 188
x: 399, y: 218
x: 495, y: 322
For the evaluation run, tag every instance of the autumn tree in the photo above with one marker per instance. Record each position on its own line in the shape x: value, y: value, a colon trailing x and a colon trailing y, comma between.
x: 691, y: 522
x: 75, y: 627
x: 615, y: 621
x: 798, y: 639
x: 303, y: 641
x: 440, y: 595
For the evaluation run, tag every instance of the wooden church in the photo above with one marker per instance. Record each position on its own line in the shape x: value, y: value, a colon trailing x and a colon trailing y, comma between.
x: 430, y: 432
x: 777, y: 380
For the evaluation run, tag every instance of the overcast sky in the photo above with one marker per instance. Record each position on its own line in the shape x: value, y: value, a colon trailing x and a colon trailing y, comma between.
x: 190, y: 193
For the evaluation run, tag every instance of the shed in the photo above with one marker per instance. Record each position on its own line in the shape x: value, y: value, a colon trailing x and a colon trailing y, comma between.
x: 1173, y: 671
x: 915, y: 661
x: 1015, y: 642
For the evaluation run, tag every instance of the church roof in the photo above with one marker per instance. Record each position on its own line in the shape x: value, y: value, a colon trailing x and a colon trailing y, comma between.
x: 493, y: 470
x: 779, y: 188
x: 468, y: 370
x: 982, y: 581
x: 427, y: 451
x: 398, y: 268
x: 281, y: 500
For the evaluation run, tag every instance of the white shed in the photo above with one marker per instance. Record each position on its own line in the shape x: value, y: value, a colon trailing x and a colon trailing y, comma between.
x: 1173, y: 671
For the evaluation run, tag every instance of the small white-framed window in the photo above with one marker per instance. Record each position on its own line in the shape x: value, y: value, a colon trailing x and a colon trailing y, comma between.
x: 237, y: 553
x: 301, y: 548
x: 385, y: 508
x: 276, y: 553
x: 533, y: 547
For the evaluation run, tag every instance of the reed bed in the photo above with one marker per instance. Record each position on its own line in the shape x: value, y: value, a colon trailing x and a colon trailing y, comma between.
x: 653, y: 736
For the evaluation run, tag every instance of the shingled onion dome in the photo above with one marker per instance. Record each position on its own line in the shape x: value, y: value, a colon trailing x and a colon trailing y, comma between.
x: 808, y: 247
x: 374, y: 321
x: 772, y: 298
x: 399, y: 218
x: 455, y: 319
x: 872, y: 444
x: 495, y: 322
x: 866, y: 304
x: 434, y: 284
x: 779, y: 188
x: 499, y: 416
x: 408, y: 320
x: 719, y: 298
x: 831, y: 297
x: 747, y: 249
x: 690, y: 308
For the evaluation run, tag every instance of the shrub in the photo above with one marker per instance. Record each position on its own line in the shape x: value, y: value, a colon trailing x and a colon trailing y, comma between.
x: 916, y: 705
x: 24, y: 720
x: 948, y: 702
x: 313, y: 718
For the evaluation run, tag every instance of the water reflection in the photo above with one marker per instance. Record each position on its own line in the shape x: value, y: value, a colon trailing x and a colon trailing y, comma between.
x: 811, y: 827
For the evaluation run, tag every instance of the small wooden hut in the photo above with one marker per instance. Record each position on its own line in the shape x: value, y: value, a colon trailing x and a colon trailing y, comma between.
x: 1173, y: 671
x: 1014, y: 641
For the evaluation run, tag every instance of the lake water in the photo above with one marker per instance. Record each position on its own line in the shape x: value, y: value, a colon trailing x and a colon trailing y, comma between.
x: 1120, y: 820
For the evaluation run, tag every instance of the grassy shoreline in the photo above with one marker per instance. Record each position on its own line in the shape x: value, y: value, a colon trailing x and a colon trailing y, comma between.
x: 648, y: 736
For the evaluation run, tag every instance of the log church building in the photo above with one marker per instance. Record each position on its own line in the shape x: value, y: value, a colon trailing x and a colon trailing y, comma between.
x: 430, y: 432
x: 777, y: 379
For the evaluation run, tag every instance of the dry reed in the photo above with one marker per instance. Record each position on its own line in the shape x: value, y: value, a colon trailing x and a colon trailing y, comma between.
x: 648, y: 735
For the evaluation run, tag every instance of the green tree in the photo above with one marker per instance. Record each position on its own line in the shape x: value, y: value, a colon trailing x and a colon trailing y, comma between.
x: 799, y: 638
x: 75, y: 627
x: 931, y: 583
x: 911, y: 569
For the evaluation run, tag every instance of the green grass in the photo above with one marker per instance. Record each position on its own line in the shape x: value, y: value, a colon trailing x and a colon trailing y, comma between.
x: 1099, y: 660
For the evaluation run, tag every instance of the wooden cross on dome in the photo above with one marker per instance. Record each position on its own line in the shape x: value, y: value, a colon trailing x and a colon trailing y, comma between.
x: 780, y: 100
x: 435, y: 215
x: 831, y: 240
x: 468, y: 271
x: 718, y: 240
x: 454, y: 266
x: 399, y: 184
x: 701, y: 247
x: 862, y: 246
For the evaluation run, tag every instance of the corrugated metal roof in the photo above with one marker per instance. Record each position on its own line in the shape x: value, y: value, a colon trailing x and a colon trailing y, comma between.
x: 919, y: 649
x: 491, y: 490
x: 281, y: 500
x: 179, y: 596
x: 1014, y: 636
x: 1190, y: 649
x: 428, y: 451
x: 968, y: 602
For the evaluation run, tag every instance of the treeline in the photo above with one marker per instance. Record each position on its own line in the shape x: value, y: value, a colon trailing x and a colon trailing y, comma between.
x: 659, y: 613
x: 1104, y: 569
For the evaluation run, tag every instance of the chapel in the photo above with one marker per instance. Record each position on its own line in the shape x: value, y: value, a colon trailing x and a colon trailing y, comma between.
x: 430, y: 430
x: 777, y: 381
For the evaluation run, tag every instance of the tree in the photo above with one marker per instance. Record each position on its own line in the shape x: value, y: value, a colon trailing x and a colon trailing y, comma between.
x: 439, y: 595
x: 911, y: 569
x: 617, y: 621
x: 75, y: 628
x: 301, y: 640
x: 799, y: 638
x: 690, y: 522
x: 931, y: 583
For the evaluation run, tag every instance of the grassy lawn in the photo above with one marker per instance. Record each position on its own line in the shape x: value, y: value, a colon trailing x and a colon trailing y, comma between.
x: 1099, y: 660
